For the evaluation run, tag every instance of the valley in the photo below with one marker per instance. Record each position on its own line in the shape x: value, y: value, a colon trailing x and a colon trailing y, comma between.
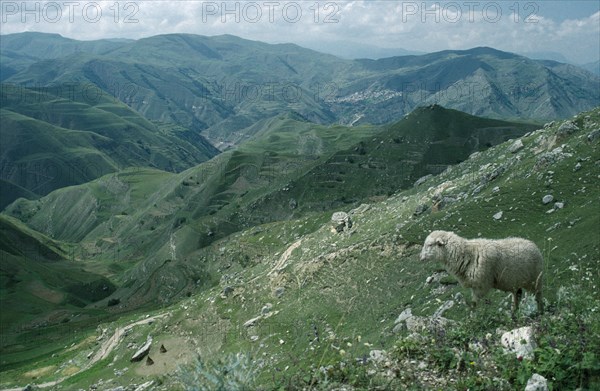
x: 188, y: 199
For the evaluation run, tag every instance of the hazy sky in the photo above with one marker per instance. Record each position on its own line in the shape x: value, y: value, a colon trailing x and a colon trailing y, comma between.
x: 571, y: 28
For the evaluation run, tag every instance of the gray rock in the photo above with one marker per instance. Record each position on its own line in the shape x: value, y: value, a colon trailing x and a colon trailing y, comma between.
x: 537, y: 383
x: 360, y: 210
x: 143, y: 351
x: 498, y: 216
x: 293, y: 204
x: 443, y: 308
x: 516, y: 146
x: 377, y: 356
x: 478, y: 189
x: 341, y: 221
x: 266, y: 308
x: 422, y: 180
x: 577, y: 167
x: 228, y: 290
x: 548, y: 125
x: 593, y: 136
x: 279, y: 291
x: 568, y: 127
x: 519, y: 341
x: 559, y: 205
x: 548, y: 198
x: 407, y: 313
x: 252, y: 321
x: 422, y: 208
x: 495, y: 189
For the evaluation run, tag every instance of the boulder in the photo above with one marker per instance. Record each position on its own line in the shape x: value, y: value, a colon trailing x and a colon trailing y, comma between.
x: 593, y: 136
x: 422, y: 180
x: 341, y: 221
x: 548, y: 198
x: 537, y: 383
x: 422, y: 208
x: 568, y: 127
x: 143, y: 351
x: 516, y: 146
x: 519, y: 341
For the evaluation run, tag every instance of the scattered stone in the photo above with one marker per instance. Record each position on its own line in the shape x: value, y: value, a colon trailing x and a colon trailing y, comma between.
x: 145, y: 386
x: 162, y: 349
x: 519, y: 341
x: 495, y: 189
x: 593, y: 136
x: 228, y: 290
x: 548, y: 198
x: 279, y: 291
x: 149, y: 361
x: 422, y: 208
x: 266, y: 308
x: 254, y: 338
x: 252, y: 321
x: 548, y: 125
x: 293, y: 204
x: 559, y: 205
x: 360, y: 210
x: 143, y: 351
x: 548, y: 158
x: 516, y: 146
x: 537, y: 383
x: 341, y: 222
x: 477, y: 189
x: 444, y: 307
x: 407, y: 313
x: 498, y: 216
x: 577, y: 167
x: 377, y: 356
x: 568, y: 127
x: 422, y: 180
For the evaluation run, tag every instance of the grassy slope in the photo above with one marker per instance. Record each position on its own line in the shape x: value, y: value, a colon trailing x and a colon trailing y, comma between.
x: 63, y: 136
x: 340, y: 287
x: 291, y: 168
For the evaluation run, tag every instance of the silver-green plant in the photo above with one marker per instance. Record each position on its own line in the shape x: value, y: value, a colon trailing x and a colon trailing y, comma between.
x: 234, y: 372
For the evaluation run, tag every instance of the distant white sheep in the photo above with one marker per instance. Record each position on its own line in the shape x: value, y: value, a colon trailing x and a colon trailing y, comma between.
x: 510, y: 265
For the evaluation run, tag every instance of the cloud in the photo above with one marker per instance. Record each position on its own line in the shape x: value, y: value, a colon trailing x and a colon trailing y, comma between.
x: 413, y: 25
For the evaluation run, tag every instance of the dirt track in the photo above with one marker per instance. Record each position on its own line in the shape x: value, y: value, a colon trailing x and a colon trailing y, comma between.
x: 105, y: 349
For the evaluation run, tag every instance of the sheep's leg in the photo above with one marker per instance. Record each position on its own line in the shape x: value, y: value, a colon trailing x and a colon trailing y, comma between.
x: 516, y: 300
x: 539, y: 301
x: 477, y: 295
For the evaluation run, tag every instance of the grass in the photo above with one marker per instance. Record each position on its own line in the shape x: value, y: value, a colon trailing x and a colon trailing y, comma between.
x: 342, y: 292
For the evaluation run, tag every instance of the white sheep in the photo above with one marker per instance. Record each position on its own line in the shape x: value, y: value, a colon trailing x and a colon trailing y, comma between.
x: 509, y: 264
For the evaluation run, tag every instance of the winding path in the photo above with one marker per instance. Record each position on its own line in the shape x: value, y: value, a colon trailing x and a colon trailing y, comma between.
x: 105, y: 349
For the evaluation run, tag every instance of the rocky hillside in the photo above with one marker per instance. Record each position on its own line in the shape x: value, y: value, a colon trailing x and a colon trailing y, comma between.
x: 152, y: 223
x: 308, y: 304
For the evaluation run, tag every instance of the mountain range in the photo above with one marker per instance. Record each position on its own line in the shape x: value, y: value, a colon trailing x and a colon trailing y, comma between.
x: 186, y: 192
x: 222, y: 85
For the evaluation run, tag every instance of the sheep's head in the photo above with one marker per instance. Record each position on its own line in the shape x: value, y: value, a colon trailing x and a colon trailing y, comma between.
x: 434, y: 246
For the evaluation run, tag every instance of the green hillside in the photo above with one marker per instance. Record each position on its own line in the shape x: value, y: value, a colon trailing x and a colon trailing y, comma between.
x: 310, y: 306
x: 290, y: 169
x: 71, y: 134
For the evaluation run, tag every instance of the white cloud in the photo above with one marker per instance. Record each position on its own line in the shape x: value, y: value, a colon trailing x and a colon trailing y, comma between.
x: 406, y: 24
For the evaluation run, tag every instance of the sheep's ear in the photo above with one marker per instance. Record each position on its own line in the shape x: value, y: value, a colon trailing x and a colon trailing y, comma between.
x: 440, y: 242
